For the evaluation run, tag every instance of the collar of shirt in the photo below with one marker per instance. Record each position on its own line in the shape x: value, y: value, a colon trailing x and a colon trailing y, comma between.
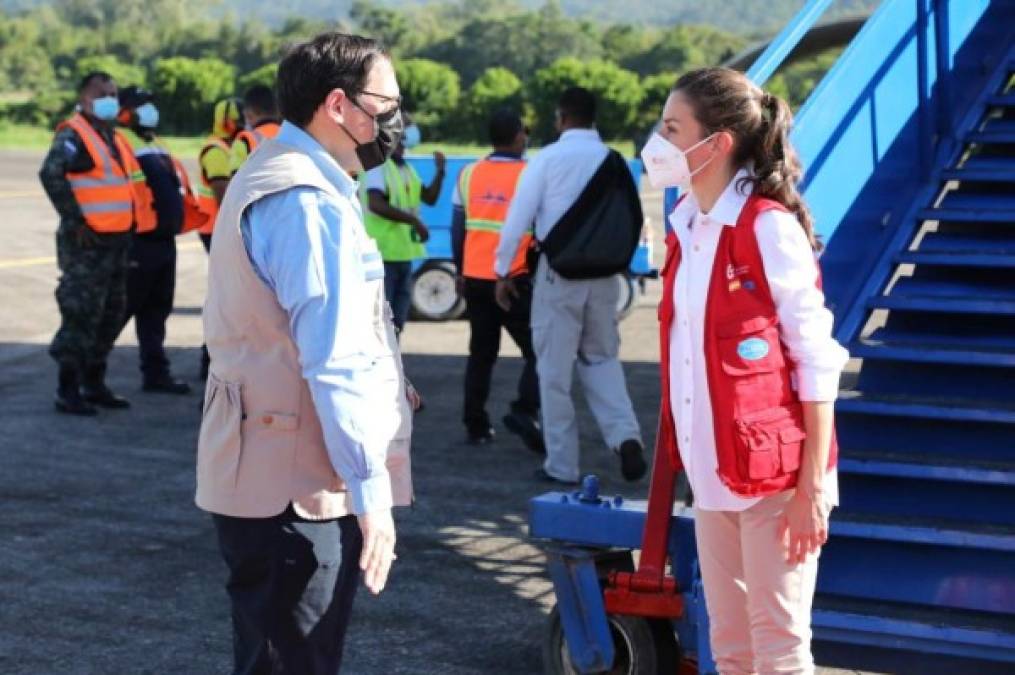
x: 505, y: 157
x: 726, y: 209
x: 580, y: 135
x: 292, y: 135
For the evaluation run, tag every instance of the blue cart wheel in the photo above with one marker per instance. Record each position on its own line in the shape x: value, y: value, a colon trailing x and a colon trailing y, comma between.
x: 642, y: 647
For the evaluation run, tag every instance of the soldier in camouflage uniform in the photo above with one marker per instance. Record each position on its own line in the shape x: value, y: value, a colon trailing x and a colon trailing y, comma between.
x: 92, y: 291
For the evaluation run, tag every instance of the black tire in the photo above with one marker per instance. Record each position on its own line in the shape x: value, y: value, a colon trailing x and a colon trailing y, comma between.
x: 628, y: 294
x: 434, y: 296
x: 634, y: 640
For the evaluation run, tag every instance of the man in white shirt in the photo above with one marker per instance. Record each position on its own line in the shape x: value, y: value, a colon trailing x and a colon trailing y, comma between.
x: 573, y: 321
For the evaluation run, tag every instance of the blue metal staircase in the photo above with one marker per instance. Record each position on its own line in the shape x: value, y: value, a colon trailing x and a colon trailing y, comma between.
x: 925, y: 536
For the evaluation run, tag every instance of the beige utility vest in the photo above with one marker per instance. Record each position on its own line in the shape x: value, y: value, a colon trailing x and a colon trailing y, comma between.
x: 261, y: 445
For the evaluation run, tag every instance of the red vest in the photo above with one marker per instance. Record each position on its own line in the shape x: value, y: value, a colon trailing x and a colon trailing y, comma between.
x: 757, y: 414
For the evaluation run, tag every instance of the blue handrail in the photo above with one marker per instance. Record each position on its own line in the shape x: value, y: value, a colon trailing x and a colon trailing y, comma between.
x: 788, y: 38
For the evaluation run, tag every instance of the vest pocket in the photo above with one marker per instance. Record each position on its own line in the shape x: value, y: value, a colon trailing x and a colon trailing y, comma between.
x: 748, y: 346
x: 770, y: 441
x: 221, y: 440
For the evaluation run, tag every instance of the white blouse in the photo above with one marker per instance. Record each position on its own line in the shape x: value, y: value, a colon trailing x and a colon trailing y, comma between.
x: 805, y: 327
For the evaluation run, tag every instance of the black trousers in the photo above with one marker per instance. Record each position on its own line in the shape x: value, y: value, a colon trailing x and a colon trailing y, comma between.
x: 486, y: 319
x: 291, y: 585
x: 151, y: 284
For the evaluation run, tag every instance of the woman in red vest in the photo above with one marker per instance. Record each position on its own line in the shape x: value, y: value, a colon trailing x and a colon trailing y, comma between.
x: 749, y: 368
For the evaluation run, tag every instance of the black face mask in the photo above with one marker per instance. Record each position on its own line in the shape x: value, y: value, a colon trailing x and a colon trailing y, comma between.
x: 389, y: 133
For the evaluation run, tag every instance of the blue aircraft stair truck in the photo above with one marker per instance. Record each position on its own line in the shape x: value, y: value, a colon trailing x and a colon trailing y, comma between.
x: 908, y: 144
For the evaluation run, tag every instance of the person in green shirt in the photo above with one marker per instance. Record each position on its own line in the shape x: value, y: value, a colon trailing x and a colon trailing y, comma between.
x: 391, y: 196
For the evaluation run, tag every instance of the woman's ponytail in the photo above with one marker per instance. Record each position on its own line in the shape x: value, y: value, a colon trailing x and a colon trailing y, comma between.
x: 724, y: 99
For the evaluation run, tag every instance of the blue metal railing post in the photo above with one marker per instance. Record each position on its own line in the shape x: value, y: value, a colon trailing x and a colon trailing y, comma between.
x: 942, y: 44
x: 924, y: 111
x: 788, y: 38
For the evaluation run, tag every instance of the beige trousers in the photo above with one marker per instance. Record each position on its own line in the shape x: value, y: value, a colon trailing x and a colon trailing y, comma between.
x: 759, y: 606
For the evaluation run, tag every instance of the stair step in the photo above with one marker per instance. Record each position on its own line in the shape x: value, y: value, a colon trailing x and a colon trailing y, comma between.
x: 967, y: 215
x: 952, y: 354
x: 941, y: 410
x: 968, y: 305
x: 927, y: 468
x: 999, y: 131
x: 957, y: 259
x: 968, y: 242
x: 928, y: 629
x: 983, y: 168
x: 1002, y: 100
x: 923, y: 531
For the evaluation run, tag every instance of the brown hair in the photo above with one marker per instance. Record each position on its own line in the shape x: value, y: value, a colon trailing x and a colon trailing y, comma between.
x: 725, y: 100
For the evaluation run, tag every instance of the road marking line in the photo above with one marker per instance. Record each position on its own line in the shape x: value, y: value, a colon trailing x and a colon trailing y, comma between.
x: 14, y: 194
x: 48, y: 260
x: 26, y: 262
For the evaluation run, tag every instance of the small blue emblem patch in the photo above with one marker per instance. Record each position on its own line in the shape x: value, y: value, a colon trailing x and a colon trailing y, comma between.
x: 752, y: 349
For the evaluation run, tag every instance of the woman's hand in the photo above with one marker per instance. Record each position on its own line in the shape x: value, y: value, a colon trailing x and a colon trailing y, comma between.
x: 804, y: 527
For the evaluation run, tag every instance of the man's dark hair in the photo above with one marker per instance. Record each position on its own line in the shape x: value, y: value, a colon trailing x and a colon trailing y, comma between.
x: 134, y: 97
x: 578, y: 105
x: 261, y: 99
x: 100, y: 75
x: 311, y: 70
x: 504, y: 127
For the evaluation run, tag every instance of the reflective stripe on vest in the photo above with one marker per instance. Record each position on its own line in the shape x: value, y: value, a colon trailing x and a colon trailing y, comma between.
x: 106, y: 192
x: 396, y: 241
x: 487, y: 188
x: 206, y: 200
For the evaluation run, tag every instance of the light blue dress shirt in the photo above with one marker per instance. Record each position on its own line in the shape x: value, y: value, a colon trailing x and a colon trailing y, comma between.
x: 306, y: 245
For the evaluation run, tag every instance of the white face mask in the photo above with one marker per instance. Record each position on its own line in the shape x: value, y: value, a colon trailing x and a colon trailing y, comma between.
x: 666, y: 164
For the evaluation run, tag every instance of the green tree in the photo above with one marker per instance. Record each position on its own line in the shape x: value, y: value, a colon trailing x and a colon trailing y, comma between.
x: 496, y: 88
x: 124, y: 73
x: 655, y: 89
x: 264, y: 75
x: 684, y: 47
x: 188, y: 89
x: 430, y: 91
x: 618, y: 94
x: 24, y: 65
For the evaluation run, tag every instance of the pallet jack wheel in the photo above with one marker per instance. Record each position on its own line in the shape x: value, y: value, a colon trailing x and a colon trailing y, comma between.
x: 642, y: 647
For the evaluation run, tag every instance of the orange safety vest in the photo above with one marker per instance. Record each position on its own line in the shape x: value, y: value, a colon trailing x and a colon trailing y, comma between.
x: 259, y: 134
x: 487, y: 187
x: 112, y: 194
x: 206, y: 201
x: 194, y: 216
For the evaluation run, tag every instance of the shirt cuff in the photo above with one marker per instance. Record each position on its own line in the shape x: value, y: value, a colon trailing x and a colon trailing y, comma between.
x: 816, y: 386
x: 372, y: 494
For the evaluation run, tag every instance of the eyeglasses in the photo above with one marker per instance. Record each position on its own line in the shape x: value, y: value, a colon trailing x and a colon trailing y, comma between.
x: 397, y: 100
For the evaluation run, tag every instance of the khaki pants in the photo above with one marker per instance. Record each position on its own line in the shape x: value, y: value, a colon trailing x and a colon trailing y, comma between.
x: 759, y: 606
x: 574, y: 327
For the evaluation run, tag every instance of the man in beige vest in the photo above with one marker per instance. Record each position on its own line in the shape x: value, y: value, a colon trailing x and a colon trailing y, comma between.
x: 304, y: 444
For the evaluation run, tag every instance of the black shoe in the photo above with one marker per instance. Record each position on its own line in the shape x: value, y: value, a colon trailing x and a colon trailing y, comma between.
x: 481, y: 436
x: 68, y: 394
x: 632, y: 463
x: 166, y: 384
x: 71, y: 403
x: 527, y: 429
x: 101, y: 395
x: 541, y: 475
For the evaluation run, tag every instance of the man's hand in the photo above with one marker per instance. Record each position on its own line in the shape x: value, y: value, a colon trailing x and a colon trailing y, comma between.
x: 804, y: 526
x: 505, y: 292
x: 378, y: 530
x: 422, y: 231
x: 440, y: 161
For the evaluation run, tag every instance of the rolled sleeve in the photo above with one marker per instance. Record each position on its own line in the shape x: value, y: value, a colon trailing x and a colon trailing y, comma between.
x: 310, y: 257
x: 805, y: 322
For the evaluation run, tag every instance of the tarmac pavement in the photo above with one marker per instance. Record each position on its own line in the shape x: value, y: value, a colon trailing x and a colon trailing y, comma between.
x: 107, y: 566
